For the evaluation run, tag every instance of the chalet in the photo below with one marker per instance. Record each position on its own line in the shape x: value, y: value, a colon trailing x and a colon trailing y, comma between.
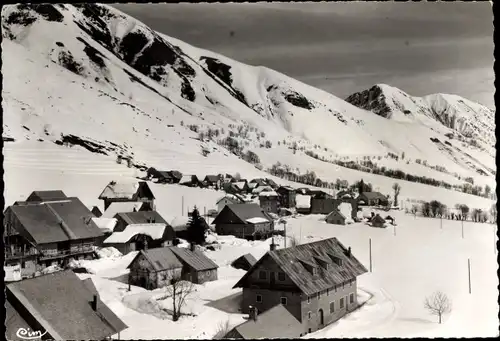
x: 141, y: 236
x: 244, y: 262
x: 142, y: 217
x: 190, y: 181
x: 212, y: 181
x: 372, y: 199
x: 377, y: 221
x: 196, y: 267
x: 154, y: 268
x: 96, y: 212
x: 60, y: 305
x: 227, y: 200
x: 241, y: 186
x: 259, y: 182
x: 243, y: 221
x: 125, y: 191
x: 39, y: 196
x: 315, y: 282
x: 126, y: 207
x: 276, y: 322
x: 303, y: 203
x: 269, y: 201
x: 38, y: 235
x: 335, y: 217
x: 287, y: 197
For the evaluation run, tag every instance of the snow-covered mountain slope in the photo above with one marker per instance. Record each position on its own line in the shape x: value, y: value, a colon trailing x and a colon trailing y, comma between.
x: 464, y: 117
x: 90, y: 75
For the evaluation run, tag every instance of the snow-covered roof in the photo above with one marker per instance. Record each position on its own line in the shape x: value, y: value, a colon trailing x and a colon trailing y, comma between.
x: 155, y: 231
x: 12, y: 273
x: 120, y: 190
x: 262, y: 189
x: 122, y: 207
x: 229, y: 197
x: 268, y: 194
x: 186, y: 178
x: 177, y: 221
x: 105, y: 224
x: 257, y: 220
x: 303, y: 201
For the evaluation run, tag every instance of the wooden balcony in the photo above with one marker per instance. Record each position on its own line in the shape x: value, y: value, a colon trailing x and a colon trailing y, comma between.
x: 19, y: 253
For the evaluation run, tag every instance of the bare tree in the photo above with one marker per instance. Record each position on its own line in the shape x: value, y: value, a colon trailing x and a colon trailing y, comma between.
x: 438, y: 304
x: 179, y: 290
x: 397, y: 189
x: 223, y: 328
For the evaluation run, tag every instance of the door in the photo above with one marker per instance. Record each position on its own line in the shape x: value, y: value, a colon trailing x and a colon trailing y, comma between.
x: 321, y: 317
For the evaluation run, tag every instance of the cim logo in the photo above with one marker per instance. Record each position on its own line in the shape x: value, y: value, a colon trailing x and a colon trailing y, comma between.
x: 27, y: 334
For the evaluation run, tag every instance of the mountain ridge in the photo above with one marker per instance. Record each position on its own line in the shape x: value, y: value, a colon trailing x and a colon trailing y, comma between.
x: 112, y: 81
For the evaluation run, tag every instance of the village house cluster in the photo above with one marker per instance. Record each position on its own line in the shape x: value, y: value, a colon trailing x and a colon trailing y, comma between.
x: 308, y: 286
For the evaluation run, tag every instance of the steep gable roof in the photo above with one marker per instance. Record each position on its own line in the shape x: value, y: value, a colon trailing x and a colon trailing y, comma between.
x: 276, y: 322
x: 125, y: 190
x: 160, y: 258
x: 242, y: 212
x: 334, y: 213
x: 58, y: 221
x: 291, y: 261
x: 155, y: 231
x: 60, y: 303
x: 46, y: 195
x: 194, y: 259
x: 372, y: 195
x: 234, y: 199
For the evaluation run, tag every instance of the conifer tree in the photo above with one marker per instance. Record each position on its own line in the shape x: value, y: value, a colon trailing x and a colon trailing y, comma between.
x: 196, y: 228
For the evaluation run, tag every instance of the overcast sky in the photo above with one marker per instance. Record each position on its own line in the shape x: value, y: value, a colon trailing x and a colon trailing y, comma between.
x: 342, y: 48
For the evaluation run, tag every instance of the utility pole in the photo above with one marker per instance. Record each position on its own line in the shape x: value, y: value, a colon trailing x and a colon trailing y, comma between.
x: 182, y: 209
x: 468, y: 265
x: 462, y: 228
x: 370, y: 254
x: 284, y: 225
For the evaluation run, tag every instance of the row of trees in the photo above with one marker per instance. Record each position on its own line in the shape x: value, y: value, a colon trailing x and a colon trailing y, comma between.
x: 436, y: 209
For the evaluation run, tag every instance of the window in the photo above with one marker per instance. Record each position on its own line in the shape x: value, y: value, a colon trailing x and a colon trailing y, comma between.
x: 319, y: 295
x: 310, y: 330
x: 262, y: 274
x: 332, y: 307
x: 351, y: 298
x: 314, y: 271
x: 327, y: 292
x: 281, y: 276
x: 309, y: 316
x: 308, y: 299
x: 283, y: 300
x: 259, y: 298
x: 341, y: 303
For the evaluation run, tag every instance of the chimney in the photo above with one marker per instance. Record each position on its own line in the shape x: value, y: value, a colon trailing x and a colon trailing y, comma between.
x: 272, y: 247
x: 253, y: 313
x: 192, y: 246
x: 349, y: 252
x: 95, y: 305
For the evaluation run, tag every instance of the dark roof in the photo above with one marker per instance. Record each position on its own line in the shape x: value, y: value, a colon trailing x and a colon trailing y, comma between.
x: 212, y: 178
x: 276, y: 322
x: 285, y: 189
x: 243, y: 212
x: 378, y: 218
x: 247, y: 258
x: 194, y: 259
x: 55, y: 221
x: 96, y: 211
x: 373, y: 195
x: 291, y: 261
x: 335, y: 213
x: 46, y: 195
x: 141, y: 217
x: 161, y: 258
x: 61, y: 303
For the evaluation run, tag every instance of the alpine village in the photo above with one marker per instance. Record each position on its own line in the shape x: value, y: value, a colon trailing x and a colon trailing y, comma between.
x: 292, y: 290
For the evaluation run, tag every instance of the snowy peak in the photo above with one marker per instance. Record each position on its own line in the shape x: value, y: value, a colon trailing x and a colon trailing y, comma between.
x: 470, y: 119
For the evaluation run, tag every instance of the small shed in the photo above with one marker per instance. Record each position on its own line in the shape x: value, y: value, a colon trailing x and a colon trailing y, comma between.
x: 244, y: 262
x: 154, y: 268
x: 197, y: 267
x: 378, y: 221
x: 336, y: 217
